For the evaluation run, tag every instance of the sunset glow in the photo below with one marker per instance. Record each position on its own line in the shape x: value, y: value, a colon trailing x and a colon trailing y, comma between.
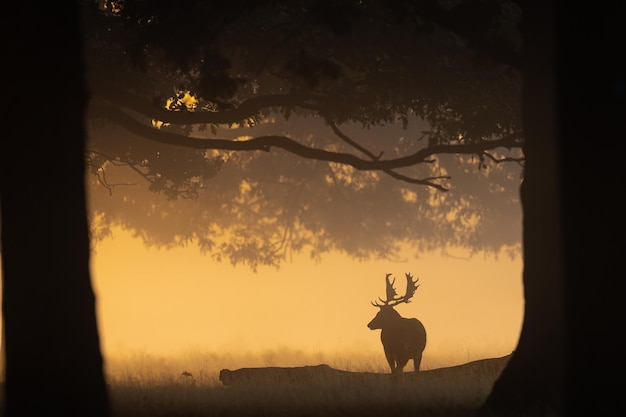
x: 177, y: 301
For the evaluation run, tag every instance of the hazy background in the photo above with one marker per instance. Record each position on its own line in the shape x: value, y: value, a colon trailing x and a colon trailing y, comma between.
x: 178, y: 302
x: 160, y: 294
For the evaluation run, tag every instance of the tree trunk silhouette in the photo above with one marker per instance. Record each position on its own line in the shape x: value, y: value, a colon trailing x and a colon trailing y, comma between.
x: 531, y: 384
x: 591, y: 91
x: 572, y: 286
x: 2, y: 354
x: 53, y: 359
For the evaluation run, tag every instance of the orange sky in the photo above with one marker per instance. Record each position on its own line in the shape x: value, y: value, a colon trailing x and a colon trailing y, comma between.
x: 172, y: 301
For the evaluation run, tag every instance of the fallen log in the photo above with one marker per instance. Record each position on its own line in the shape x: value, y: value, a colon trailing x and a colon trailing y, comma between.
x: 323, y: 373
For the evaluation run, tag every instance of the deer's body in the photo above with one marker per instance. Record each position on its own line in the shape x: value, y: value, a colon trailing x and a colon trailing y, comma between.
x: 403, y: 339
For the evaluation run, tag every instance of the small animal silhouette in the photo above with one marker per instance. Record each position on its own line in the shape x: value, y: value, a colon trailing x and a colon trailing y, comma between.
x: 403, y: 338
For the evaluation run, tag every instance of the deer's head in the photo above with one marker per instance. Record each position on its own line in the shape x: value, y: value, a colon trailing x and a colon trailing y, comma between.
x: 387, y: 313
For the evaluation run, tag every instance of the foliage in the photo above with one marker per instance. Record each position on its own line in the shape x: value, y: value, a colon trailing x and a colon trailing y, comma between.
x: 349, y: 84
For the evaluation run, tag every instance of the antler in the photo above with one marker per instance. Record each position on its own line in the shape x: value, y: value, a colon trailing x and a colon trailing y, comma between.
x: 411, y: 287
x: 392, y: 295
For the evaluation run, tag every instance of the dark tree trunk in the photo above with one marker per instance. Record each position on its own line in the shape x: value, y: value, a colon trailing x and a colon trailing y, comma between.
x: 573, y: 102
x: 532, y: 383
x: 591, y: 88
x: 53, y: 360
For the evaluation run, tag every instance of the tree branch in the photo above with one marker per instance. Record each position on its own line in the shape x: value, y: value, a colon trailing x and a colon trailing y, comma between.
x: 169, y: 191
x: 265, y: 143
x: 389, y: 172
x: 519, y: 161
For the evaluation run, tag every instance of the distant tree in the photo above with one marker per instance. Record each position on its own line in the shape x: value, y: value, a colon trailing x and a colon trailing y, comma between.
x: 53, y: 359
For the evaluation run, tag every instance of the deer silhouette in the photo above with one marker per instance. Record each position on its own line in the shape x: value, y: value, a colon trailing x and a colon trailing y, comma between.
x: 403, y: 338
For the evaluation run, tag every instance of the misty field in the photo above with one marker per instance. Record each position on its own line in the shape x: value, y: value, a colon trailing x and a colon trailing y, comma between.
x: 145, y: 385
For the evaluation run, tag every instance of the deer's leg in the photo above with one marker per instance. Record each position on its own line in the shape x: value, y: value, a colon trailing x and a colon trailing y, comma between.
x: 417, y: 359
x: 391, y: 361
x: 401, y: 364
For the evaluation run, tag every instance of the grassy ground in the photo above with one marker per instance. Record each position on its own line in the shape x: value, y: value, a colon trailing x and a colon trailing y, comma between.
x: 141, y: 385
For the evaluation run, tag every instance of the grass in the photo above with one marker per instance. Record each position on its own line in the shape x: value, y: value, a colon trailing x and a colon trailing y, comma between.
x: 145, y: 385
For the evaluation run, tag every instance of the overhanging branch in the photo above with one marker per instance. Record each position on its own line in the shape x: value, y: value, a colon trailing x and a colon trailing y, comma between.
x: 265, y: 143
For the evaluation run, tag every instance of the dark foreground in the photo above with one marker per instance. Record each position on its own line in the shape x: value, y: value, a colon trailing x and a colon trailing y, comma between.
x: 317, y: 391
x: 312, y: 391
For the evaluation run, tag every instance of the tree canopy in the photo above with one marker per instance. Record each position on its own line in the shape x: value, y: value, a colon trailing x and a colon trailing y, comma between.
x: 403, y: 112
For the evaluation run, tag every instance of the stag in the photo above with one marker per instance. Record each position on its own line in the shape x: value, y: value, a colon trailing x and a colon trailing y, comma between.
x: 403, y: 338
